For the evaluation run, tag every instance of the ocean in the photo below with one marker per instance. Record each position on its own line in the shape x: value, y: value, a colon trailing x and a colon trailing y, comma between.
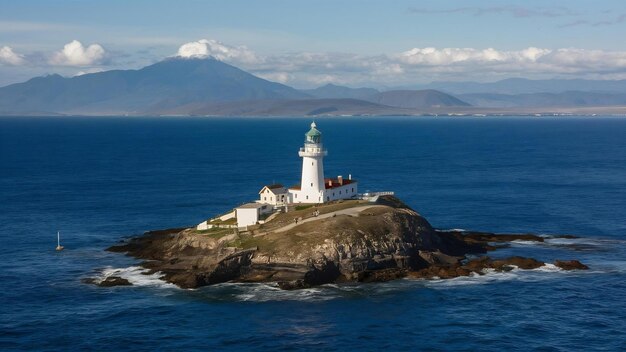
x: 101, y: 180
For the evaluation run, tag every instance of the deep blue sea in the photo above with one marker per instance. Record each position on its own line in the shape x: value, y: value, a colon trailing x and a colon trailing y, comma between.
x: 99, y: 180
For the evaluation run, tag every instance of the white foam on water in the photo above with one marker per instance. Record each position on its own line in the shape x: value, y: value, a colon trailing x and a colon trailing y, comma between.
x: 598, y: 242
x: 547, y: 267
x: 268, y: 292
x: 137, y: 276
x: 526, y: 243
x: 491, y: 275
x: 453, y: 230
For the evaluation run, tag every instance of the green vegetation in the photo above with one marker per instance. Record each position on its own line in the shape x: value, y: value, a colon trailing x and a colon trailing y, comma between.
x: 303, y: 207
x: 215, y: 232
x: 246, y: 242
x: 231, y: 221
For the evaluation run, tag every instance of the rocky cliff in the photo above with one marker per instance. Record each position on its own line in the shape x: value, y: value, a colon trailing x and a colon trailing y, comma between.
x: 337, y: 242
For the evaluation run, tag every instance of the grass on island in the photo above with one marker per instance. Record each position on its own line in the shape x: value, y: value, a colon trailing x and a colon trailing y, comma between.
x: 306, y: 211
x: 283, y: 241
x: 215, y: 232
x: 231, y: 221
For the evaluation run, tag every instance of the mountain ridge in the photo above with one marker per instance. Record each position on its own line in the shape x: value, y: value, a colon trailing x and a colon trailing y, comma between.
x: 209, y: 87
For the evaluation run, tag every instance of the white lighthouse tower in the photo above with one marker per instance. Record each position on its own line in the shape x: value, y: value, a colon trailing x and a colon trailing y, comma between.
x: 312, y: 182
x: 314, y: 188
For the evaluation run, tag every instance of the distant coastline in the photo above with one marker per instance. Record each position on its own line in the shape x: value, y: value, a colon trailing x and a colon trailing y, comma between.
x: 209, y: 87
x: 578, y: 112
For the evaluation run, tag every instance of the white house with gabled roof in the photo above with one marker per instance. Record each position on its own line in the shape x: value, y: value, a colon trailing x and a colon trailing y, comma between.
x: 275, y: 194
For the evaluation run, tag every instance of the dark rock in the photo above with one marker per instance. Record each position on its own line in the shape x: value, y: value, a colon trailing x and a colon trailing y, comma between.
x: 570, y: 265
x: 293, y: 285
x: 108, y: 282
x: 565, y: 236
x: 520, y: 262
x: 381, y: 275
x: 482, y: 237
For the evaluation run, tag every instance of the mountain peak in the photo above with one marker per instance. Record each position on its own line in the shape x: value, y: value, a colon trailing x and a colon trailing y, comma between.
x: 164, y: 85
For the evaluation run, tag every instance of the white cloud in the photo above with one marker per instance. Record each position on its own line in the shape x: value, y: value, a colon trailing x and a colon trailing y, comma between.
x: 8, y: 56
x: 75, y: 54
x: 420, y: 65
x: 450, y: 56
x: 218, y: 50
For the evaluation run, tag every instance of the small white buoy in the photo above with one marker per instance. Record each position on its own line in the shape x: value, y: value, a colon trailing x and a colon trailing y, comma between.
x: 59, y: 247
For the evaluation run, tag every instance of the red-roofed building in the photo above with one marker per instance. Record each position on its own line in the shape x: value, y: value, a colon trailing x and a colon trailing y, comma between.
x: 313, y: 187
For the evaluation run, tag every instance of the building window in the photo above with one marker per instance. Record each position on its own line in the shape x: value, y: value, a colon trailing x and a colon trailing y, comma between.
x: 339, y: 192
x: 352, y: 189
x: 311, y: 184
x: 307, y: 197
x: 312, y: 163
x: 264, y: 198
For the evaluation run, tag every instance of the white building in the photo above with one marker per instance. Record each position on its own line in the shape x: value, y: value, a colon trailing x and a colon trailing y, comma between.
x: 314, y: 188
x: 275, y: 194
x: 250, y: 213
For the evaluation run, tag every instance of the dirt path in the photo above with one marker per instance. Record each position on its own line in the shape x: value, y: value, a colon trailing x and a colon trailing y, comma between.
x: 350, y: 211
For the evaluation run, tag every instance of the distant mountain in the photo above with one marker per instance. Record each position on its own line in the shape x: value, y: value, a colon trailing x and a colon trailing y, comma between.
x: 331, y: 91
x: 164, y: 85
x: 416, y: 99
x: 565, y: 99
x: 411, y: 99
x: 528, y: 86
x: 307, y: 107
x: 179, y: 86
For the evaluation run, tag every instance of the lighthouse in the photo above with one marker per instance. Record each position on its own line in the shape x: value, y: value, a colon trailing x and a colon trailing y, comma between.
x: 312, y: 181
x: 314, y: 188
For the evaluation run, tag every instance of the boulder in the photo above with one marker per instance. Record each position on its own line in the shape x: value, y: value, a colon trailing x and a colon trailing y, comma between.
x: 570, y: 265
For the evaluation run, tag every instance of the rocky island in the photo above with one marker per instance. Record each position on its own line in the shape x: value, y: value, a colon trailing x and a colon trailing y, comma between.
x: 341, y: 241
x: 317, y: 232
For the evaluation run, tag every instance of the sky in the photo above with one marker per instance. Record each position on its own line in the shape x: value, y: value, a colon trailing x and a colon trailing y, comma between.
x: 392, y: 43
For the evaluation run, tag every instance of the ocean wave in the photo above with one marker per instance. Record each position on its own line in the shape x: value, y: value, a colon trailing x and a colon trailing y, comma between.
x: 491, y: 275
x: 264, y: 292
x: 526, y: 243
x: 136, y: 275
x: 575, y: 244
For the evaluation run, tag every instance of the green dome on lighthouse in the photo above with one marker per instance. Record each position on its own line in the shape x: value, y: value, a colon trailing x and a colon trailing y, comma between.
x: 314, y: 135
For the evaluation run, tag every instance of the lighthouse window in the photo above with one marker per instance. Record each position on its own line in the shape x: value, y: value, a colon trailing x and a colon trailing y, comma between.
x: 312, y: 164
x: 311, y: 184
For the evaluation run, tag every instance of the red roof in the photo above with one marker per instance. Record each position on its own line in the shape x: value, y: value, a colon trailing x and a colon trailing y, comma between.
x: 334, y: 183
